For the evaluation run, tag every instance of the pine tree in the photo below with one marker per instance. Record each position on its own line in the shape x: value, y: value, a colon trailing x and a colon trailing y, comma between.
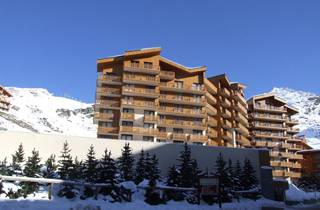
x: 140, y: 168
x: 125, y: 163
x: 77, y: 169
x: 32, y: 169
x: 152, y: 196
x: 148, y: 167
x: 50, y: 167
x: 185, y: 167
x: 17, y: 160
x: 173, y: 177
x: 223, y: 177
x: 65, y: 162
x: 4, y: 169
x: 90, y: 171
x: 196, y: 173
x: 152, y: 167
x: 106, y: 169
x: 248, y: 177
x: 236, y: 176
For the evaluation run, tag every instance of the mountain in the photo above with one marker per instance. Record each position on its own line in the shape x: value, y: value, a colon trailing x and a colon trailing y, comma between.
x: 37, y: 110
x: 308, y: 105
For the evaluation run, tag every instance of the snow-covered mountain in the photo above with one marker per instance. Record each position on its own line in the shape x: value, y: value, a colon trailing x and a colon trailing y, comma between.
x: 308, y: 105
x: 37, y: 110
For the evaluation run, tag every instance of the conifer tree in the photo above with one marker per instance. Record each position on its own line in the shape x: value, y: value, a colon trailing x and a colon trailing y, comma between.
x: 90, y: 171
x: 140, y: 172
x: 196, y: 173
x: 65, y: 162
x: 185, y: 167
x: 248, y: 177
x: 223, y: 177
x: 236, y: 176
x: 173, y: 177
x: 50, y: 167
x: 32, y: 169
x: 152, y: 167
x: 106, y: 169
x: 4, y: 169
x: 18, y: 159
x: 126, y: 163
x: 152, y: 196
x: 77, y: 169
x: 148, y: 167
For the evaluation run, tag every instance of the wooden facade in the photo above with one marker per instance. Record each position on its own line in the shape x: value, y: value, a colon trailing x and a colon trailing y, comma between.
x: 4, y: 99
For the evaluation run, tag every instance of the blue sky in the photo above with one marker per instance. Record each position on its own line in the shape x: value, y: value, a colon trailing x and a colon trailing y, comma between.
x: 55, y: 44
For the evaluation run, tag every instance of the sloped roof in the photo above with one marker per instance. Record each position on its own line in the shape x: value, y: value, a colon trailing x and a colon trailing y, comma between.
x: 5, y: 91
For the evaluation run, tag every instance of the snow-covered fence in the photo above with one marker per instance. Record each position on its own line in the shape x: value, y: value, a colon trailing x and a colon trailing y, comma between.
x: 51, y: 182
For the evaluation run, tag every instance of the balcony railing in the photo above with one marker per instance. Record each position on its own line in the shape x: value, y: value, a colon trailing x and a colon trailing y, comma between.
x: 107, y: 103
x: 269, y: 107
x: 149, y: 104
x: 181, y: 123
x: 174, y: 110
x: 225, y: 113
x: 211, y: 110
x: 142, y: 68
x: 292, y: 121
x: 182, y: 99
x: 150, y: 118
x: 109, y: 78
x: 292, y: 174
x: 212, y: 133
x: 108, y: 130
x: 227, y: 124
x: 5, y: 99
x: 105, y: 116
x: 269, y: 126
x: 198, y: 138
x: 269, y: 117
x: 143, y: 92
x: 183, y: 88
x: 138, y: 130
x: 278, y: 173
x: 212, y: 122
x: 238, y: 96
x: 225, y: 102
x: 148, y: 80
x: 179, y: 136
x: 225, y: 92
x: 127, y: 116
x: 239, y: 117
x: 293, y: 130
x: 210, y: 98
x: 108, y: 91
x: 167, y: 75
x: 281, y: 164
x: 227, y: 135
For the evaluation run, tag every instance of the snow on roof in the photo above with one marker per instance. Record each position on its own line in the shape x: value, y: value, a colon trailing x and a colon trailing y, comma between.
x: 181, y: 64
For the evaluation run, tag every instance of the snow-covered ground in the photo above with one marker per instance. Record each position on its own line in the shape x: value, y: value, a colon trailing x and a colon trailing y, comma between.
x: 41, y: 202
x: 37, y: 110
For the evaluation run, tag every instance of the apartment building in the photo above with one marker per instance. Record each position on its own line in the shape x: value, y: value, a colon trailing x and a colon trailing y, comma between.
x: 311, y: 162
x: 226, y: 112
x: 272, y: 127
x: 144, y: 96
x: 4, y: 99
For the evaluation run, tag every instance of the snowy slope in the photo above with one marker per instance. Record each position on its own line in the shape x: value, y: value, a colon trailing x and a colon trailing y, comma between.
x: 308, y: 105
x: 37, y: 110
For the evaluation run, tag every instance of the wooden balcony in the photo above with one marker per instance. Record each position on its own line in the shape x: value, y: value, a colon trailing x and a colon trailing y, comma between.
x: 267, y: 108
x: 275, y: 118
x: 211, y: 88
x: 4, y: 106
x: 99, y: 116
x: 296, y: 165
x: 140, y: 92
x: 242, y: 129
x: 268, y: 135
x: 181, y: 124
x: 295, y: 156
x: 139, y: 104
x: 4, y: 99
x: 183, y: 89
x: 173, y: 111
x: 278, y: 173
x: 107, y: 104
x: 268, y: 126
x: 292, y: 174
x: 108, y: 130
x: 226, y: 124
x: 225, y: 92
x: 295, y: 147
x: 142, y: 68
x: 240, y: 108
x: 227, y: 135
x: 212, y: 111
x: 293, y: 130
x: 138, y: 130
x: 212, y: 122
x: 110, y: 92
x: 281, y: 164
x: 240, y: 118
x: 292, y: 122
x: 163, y: 135
x: 211, y: 99
x: 167, y: 75
x: 109, y: 79
x: 127, y: 116
x: 279, y: 154
x: 236, y: 95
x: 150, y: 118
x: 142, y: 80
x: 198, y: 138
x: 212, y: 133
x: 225, y: 102
x: 179, y: 137
x: 175, y: 99
x: 225, y: 113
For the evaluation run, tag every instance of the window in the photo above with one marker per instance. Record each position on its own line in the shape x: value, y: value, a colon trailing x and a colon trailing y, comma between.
x: 106, y: 124
x: 148, y: 112
x: 178, y: 84
x: 197, y: 132
x: 147, y: 138
x: 177, y: 130
x: 178, y: 108
x: 147, y: 65
x: 127, y: 110
x: 127, y: 123
x: 162, y: 129
x: 109, y: 111
x: 148, y: 125
x: 128, y: 99
x: 196, y: 86
x: 126, y: 137
x: 197, y: 98
x: 134, y: 63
